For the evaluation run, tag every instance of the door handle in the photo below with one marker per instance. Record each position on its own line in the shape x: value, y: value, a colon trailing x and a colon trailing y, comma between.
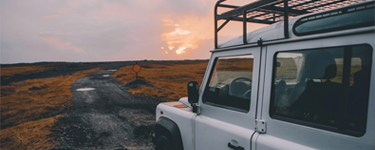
x: 235, y: 147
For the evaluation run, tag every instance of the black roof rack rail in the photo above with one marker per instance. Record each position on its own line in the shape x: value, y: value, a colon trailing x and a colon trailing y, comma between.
x: 271, y: 11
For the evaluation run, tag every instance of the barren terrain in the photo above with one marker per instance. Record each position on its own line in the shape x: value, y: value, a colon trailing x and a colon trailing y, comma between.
x: 105, y: 116
x: 88, y: 105
x: 43, y: 109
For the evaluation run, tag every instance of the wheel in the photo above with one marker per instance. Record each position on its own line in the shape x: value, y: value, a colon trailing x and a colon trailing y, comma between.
x: 163, y: 143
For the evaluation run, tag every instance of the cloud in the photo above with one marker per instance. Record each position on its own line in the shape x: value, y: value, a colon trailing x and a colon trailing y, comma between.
x: 179, y: 31
x: 65, y: 10
x: 180, y: 50
x: 62, y: 45
x: 184, y: 33
x: 52, y: 16
x: 107, y: 30
x: 48, y: 39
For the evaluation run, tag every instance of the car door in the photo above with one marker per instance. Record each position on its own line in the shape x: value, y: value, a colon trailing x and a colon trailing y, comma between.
x: 317, y: 95
x: 227, y: 100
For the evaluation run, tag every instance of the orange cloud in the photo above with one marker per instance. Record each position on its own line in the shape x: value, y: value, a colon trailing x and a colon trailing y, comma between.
x: 184, y: 32
x: 62, y: 45
x: 187, y: 32
x: 179, y: 31
x: 52, y: 16
x: 164, y: 52
x: 65, y: 10
x: 48, y: 39
x: 180, y: 50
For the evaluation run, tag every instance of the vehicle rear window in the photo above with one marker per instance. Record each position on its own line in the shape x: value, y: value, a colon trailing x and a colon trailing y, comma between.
x: 324, y: 88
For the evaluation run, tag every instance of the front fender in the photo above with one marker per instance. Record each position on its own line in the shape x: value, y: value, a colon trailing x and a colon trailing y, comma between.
x: 167, y: 127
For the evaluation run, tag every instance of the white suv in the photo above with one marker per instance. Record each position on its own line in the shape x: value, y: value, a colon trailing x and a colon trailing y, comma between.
x: 306, y: 82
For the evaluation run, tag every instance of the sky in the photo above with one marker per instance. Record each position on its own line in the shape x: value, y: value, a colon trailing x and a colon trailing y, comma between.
x: 109, y: 30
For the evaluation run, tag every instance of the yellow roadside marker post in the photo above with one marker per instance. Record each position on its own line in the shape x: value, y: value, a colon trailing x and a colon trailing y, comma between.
x: 136, y: 69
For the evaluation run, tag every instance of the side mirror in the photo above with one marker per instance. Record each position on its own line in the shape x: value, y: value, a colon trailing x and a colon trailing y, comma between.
x: 193, y: 92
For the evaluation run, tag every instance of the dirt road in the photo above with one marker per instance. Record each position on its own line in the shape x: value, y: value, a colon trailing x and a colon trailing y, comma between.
x: 105, y: 116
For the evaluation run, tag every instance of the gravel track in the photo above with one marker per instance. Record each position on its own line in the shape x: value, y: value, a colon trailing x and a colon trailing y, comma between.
x: 107, y: 117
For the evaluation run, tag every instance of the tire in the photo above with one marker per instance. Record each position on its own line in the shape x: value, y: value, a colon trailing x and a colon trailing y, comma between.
x: 163, y: 143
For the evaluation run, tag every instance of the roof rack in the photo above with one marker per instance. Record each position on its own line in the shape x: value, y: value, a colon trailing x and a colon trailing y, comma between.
x: 271, y: 11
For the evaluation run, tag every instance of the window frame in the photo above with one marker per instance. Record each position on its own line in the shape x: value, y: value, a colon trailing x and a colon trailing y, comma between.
x: 271, y: 111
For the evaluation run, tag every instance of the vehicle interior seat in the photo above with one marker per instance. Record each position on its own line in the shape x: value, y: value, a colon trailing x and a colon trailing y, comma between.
x: 358, y: 100
x: 317, y: 97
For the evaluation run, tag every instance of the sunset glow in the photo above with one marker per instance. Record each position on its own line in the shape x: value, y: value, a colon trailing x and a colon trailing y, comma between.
x: 184, y: 34
x: 52, y: 16
x: 179, y: 31
x: 175, y: 39
x: 97, y: 30
x: 180, y: 50
x: 65, y: 10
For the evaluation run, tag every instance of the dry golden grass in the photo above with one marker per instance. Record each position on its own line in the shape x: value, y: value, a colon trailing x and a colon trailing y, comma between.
x: 29, y: 135
x: 235, y: 64
x: 288, y: 70
x: 27, y: 101
x: 155, y: 92
x: 170, y: 78
x: 353, y: 70
x: 11, y: 71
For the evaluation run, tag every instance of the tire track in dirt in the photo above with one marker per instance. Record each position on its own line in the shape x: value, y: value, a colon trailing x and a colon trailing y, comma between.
x: 107, y: 117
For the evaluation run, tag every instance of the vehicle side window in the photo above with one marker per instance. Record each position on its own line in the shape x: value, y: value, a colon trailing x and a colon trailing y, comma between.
x: 324, y: 88
x: 230, y: 83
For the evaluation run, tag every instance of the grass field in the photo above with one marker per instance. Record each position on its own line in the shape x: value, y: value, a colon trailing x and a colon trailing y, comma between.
x: 11, y: 71
x: 29, y: 108
x: 170, y: 78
